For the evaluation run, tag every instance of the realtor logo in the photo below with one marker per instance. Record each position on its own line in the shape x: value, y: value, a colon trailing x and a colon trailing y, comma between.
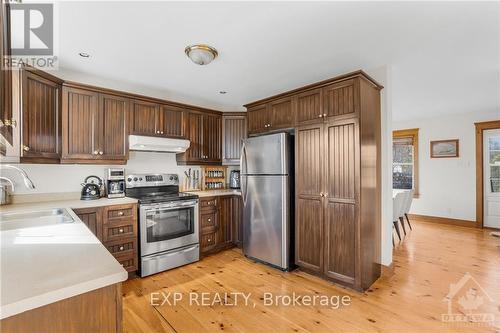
x: 468, y: 303
x: 32, y: 29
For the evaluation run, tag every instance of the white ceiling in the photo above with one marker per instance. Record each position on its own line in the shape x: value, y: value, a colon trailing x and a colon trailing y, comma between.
x: 444, y: 56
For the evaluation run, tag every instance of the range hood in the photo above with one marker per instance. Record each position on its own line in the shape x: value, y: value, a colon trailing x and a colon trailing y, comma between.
x: 151, y: 143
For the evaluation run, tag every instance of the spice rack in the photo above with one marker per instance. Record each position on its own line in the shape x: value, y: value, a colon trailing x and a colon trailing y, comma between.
x: 214, y: 178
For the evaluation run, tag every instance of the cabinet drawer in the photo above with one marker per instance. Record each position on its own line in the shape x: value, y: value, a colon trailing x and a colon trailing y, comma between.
x: 119, y: 212
x: 208, y: 221
x: 122, y: 246
x: 208, y: 203
x: 129, y: 261
x: 122, y: 230
x: 207, y: 241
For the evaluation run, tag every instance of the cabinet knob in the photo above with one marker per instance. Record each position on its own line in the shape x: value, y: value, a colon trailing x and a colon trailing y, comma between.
x: 209, y: 220
x: 120, y: 230
x: 96, y: 152
x: 321, y: 116
x: 120, y: 213
x: 121, y: 248
x: 209, y: 239
x: 324, y: 114
x: 26, y: 148
x: 9, y: 122
x: 101, y: 152
x: 161, y: 132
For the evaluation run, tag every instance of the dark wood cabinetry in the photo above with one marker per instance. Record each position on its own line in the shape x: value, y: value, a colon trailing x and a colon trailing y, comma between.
x: 40, y: 117
x: 171, y: 119
x: 5, y: 74
x: 94, y: 127
x: 145, y: 118
x: 220, y: 223
x: 204, y: 131
x: 337, y: 174
x: 116, y: 227
x: 234, y: 130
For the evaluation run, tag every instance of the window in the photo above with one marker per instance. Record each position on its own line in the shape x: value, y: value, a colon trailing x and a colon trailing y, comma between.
x: 405, y: 159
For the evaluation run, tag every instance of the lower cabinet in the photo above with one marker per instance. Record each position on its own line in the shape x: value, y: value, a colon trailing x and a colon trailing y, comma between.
x: 116, y: 227
x: 220, y: 223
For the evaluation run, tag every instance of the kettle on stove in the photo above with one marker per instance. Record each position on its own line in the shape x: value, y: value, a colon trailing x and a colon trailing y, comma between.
x: 91, y: 188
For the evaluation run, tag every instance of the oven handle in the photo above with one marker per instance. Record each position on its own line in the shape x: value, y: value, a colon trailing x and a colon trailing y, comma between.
x: 156, y: 256
x: 149, y: 208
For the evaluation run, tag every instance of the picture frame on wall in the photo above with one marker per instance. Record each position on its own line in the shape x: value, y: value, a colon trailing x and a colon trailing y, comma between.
x: 445, y: 148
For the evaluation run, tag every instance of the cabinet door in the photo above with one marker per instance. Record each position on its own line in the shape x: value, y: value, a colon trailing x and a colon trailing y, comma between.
x: 212, y: 138
x: 282, y: 113
x: 341, y: 199
x: 309, y: 200
x: 92, y: 217
x: 339, y: 99
x: 5, y: 74
x: 145, y: 118
x: 171, y: 121
x: 309, y: 107
x: 112, y: 127
x: 258, y: 119
x: 234, y: 130
x: 194, y: 133
x: 237, y: 221
x: 223, y: 231
x: 80, y: 109
x: 41, y: 118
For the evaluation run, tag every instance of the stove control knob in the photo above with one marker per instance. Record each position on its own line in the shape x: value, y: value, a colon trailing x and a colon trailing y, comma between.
x: 140, y: 179
x: 135, y: 179
x: 171, y: 178
x: 175, y: 177
x: 129, y: 179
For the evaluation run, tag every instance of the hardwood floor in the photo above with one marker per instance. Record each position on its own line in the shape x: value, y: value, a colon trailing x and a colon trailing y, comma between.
x: 430, y: 258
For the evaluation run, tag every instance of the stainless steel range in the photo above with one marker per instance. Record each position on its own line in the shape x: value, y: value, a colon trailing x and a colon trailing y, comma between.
x: 168, y: 222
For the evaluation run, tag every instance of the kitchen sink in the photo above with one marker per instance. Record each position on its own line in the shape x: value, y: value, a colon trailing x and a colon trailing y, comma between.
x: 21, y: 220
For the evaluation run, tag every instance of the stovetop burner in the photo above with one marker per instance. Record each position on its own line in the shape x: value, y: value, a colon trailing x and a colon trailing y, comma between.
x: 155, y: 188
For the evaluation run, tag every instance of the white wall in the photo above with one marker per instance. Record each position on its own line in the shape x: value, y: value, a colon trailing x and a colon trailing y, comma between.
x: 383, y: 75
x: 447, y: 185
x: 67, y: 178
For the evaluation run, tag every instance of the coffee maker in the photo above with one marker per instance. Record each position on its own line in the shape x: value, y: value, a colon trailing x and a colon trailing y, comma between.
x: 115, y: 182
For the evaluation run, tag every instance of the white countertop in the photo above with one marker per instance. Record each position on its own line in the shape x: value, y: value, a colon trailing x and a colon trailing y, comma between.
x: 215, y: 193
x: 45, y: 264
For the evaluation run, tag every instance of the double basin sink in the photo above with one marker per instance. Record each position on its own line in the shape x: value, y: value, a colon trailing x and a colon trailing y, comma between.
x: 39, y: 218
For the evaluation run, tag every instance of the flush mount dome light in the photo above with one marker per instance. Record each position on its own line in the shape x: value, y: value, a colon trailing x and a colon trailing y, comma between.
x: 201, y: 54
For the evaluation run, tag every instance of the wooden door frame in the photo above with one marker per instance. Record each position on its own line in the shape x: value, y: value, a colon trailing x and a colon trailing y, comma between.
x: 480, y: 128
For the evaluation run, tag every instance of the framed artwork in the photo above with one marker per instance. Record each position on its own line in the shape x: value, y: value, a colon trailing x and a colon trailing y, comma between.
x: 444, y: 148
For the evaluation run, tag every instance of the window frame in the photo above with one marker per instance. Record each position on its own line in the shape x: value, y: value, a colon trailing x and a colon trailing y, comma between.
x: 410, y: 133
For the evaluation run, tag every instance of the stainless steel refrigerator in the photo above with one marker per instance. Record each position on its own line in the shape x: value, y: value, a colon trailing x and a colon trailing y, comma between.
x: 267, y: 191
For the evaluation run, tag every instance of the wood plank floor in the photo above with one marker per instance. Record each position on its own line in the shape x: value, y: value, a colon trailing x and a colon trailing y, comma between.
x: 430, y: 258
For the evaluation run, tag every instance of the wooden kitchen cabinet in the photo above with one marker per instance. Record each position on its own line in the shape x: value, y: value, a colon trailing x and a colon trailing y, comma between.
x: 41, y: 117
x: 258, y: 119
x: 5, y: 74
x: 220, y: 223
x: 310, y: 107
x: 337, y: 228
x: 282, y: 114
x: 234, y: 131
x: 171, y: 121
x: 145, y: 118
x: 94, y: 127
x: 116, y: 227
x: 204, y: 131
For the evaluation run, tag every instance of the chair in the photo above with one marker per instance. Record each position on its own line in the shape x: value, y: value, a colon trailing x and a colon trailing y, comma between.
x: 397, y: 206
x: 406, y: 208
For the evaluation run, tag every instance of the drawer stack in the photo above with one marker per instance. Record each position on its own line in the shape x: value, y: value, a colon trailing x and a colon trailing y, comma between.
x: 209, y: 223
x: 116, y: 227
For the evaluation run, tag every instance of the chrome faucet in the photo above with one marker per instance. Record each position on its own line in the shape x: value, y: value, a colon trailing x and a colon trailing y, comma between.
x: 4, y: 194
x: 27, y: 181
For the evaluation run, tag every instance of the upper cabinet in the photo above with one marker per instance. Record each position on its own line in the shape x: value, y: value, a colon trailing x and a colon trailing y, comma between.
x: 41, y: 118
x: 234, y: 130
x: 6, y: 124
x: 258, y: 119
x: 339, y: 99
x: 309, y: 107
x: 153, y: 119
x: 204, y: 131
x: 274, y: 115
x: 94, y: 127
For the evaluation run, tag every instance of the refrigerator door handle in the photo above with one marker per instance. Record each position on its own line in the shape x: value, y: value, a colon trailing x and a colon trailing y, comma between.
x: 243, y: 167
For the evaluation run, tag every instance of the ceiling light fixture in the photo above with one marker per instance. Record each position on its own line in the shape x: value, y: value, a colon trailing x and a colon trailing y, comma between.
x: 84, y: 55
x: 201, y: 54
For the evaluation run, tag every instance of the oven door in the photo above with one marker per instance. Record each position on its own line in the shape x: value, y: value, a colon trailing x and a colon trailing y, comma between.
x: 168, y: 226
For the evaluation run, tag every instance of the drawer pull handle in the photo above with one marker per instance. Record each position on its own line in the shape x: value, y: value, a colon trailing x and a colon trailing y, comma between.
x: 120, y: 213
x: 120, y: 230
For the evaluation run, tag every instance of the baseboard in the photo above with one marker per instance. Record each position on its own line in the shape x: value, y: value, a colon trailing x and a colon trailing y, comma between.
x: 387, y: 271
x: 443, y: 220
